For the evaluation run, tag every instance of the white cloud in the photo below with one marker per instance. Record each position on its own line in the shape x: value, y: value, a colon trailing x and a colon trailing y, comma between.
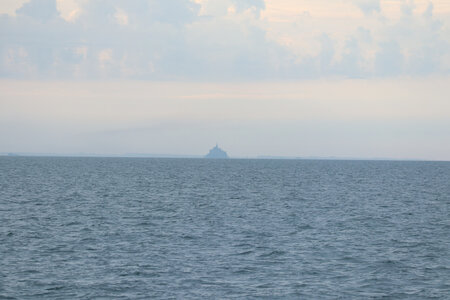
x: 9, y: 7
x: 69, y: 10
x: 121, y: 17
x: 369, y: 6
x: 224, y: 39
x: 42, y: 10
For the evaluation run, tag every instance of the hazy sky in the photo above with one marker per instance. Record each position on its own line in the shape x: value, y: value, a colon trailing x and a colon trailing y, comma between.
x: 346, y: 78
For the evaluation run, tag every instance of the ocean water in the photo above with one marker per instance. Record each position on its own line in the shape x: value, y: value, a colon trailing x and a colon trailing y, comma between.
x: 117, y: 228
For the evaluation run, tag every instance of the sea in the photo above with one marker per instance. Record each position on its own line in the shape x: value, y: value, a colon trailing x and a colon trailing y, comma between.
x: 149, y: 228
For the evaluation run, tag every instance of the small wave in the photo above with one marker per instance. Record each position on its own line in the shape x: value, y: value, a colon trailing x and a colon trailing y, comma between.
x: 245, y: 270
x: 31, y: 272
x: 245, y: 252
x: 188, y: 237
x: 136, y: 273
x: 3, y: 297
x: 264, y: 286
x: 305, y: 227
x: 146, y: 224
x: 274, y: 253
x: 242, y: 245
x: 56, y: 288
x: 72, y: 224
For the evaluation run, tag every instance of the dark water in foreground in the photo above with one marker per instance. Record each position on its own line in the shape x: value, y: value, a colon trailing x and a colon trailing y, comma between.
x: 85, y: 228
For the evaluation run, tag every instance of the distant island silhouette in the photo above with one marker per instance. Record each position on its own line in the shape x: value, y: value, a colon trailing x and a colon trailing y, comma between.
x: 216, y: 152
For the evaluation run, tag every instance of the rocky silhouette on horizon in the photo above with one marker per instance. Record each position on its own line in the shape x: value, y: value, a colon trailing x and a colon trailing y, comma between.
x: 216, y: 152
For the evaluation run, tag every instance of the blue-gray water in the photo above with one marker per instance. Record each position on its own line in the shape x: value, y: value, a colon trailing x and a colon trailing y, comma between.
x: 86, y: 228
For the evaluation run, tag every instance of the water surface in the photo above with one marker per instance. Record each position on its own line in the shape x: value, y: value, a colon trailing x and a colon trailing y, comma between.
x: 86, y: 228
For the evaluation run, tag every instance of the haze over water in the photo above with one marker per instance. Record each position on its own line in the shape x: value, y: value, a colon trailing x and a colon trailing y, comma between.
x: 85, y: 228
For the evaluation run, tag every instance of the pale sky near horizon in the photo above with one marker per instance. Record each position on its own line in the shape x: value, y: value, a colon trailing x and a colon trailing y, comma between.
x: 344, y: 78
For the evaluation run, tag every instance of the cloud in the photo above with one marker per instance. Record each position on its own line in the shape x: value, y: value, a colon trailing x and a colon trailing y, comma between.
x: 408, y: 7
x: 429, y: 11
x: 389, y: 60
x: 216, y: 40
x: 173, y: 11
x: 42, y: 10
x: 368, y: 6
x: 256, y: 5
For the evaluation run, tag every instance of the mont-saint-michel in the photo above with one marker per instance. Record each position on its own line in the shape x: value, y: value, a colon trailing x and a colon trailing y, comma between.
x: 216, y: 153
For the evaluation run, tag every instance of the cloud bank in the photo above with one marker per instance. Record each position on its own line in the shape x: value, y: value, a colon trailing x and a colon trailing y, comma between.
x: 223, y: 39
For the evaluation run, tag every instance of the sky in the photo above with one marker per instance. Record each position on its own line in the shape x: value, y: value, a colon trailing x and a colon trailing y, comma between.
x: 303, y: 78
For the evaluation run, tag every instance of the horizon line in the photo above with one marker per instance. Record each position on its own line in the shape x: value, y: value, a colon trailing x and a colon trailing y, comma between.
x: 189, y: 156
